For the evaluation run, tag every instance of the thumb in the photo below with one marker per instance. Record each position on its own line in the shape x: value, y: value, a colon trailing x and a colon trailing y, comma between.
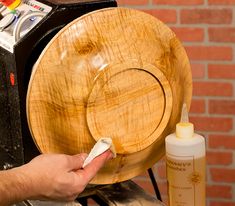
x: 95, y: 165
x: 76, y: 161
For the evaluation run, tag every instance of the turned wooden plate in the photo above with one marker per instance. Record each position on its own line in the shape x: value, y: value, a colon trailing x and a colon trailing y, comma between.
x: 116, y: 73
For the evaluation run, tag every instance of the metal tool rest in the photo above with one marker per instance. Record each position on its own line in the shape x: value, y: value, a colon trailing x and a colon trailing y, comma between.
x: 125, y: 193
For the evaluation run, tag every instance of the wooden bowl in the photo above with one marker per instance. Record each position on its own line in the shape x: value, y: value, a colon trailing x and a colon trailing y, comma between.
x: 117, y: 73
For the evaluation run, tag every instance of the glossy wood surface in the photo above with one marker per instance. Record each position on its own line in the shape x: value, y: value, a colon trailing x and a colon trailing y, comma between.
x: 116, y: 73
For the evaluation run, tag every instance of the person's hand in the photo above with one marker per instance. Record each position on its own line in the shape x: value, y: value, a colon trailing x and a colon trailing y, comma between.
x: 60, y: 177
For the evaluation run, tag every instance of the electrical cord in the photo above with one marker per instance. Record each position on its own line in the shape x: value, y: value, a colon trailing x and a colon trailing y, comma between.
x: 154, y: 183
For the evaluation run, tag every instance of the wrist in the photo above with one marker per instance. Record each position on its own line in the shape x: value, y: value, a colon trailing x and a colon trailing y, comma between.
x: 14, y: 186
x: 26, y: 183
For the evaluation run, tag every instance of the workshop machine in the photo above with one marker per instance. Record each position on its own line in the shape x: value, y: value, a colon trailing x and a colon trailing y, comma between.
x: 24, y: 33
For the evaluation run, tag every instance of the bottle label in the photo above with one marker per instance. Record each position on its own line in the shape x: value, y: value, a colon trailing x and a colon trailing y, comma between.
x: 186, y: 180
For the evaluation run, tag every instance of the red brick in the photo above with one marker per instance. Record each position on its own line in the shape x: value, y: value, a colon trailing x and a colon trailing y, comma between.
x: 165, y: 199
x: 219, y: 2
x: 187, y: 34
x: 222, y: 141
x: 212, y: 89
x: 197, y: 106
x: 212, y: 123
x: 221, y: 71
x: 132, y: 2
x: 221, y: 34
x: 219, y: 158
x: 222, y: 106
x: 162, y: 187
x: 145, y: 184
x: 219, y: 191
x: 222, y: 174
x: 206, y: 16
x: 161, y: 171
x: 209, y: 52
x: 221, y: 203
x: 198, y: 70
x: 178, y: 2
x: 165, y: 15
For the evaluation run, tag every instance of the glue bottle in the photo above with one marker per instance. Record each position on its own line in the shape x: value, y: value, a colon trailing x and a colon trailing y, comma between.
x: 186, y: 165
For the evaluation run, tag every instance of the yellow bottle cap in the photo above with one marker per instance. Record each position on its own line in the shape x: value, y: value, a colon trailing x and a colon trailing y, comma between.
x: 184, y: 129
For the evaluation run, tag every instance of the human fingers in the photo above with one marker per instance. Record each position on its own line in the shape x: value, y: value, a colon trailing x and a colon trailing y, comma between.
x: 95, y: 165
x: 76, y: 161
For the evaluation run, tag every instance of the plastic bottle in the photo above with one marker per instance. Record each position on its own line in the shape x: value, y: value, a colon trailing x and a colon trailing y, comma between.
x: 186, y: 165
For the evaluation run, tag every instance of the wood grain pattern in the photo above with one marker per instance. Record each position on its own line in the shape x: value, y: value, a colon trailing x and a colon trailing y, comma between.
x: 131, y: 103
x: 115, y: 72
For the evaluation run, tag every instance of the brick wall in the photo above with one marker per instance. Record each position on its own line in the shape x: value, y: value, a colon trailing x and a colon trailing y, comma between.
x: 207, y: 31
